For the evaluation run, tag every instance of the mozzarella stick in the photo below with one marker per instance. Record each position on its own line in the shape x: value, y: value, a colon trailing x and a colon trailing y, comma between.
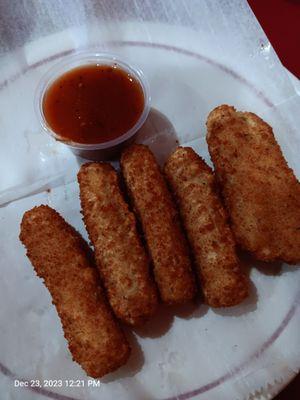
x: 60, y: 257
x: 159, y: 219
x: 120, y: 256
x: 260, y: 191
x: 204, y: 218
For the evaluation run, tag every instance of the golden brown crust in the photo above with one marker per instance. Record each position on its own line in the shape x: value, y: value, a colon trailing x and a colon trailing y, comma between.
x: 154, y: 206
x: 204, y: 218
x: 120, y: 257
x: 261, y: 192
x: 58, y: 255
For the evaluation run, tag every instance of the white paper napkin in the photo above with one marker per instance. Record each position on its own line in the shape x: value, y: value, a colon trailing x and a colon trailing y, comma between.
x: 196, y: 55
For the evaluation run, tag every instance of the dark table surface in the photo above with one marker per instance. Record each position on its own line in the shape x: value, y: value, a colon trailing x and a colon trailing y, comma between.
x: 280, y: 19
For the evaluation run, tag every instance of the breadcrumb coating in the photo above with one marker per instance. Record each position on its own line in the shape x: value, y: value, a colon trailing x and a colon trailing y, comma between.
x: 261, y: 192
x: 210, y: 237
x: 154, y: 206
x: 60, y: 257
x: 120, y: 256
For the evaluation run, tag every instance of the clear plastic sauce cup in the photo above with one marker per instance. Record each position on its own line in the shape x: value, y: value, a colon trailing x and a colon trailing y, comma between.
x: 97, y: 151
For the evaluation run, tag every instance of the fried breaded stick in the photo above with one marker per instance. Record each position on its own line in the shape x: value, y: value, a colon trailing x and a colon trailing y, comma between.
x: 154, y: 206
x: 120, y: 257
x: 59, y: 256
x: 261, y: 192
x: 204, y: 218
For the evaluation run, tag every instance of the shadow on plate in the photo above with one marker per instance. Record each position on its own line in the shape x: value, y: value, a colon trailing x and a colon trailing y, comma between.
x: 133, y: 365
x: 157, y: 326
x: 159, y: 134
x: 266, y: 268
x: 248, y: 305
x: 163, y: 319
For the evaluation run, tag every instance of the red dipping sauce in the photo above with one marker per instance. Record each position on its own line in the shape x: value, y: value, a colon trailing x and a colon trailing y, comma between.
x: 93, y: 104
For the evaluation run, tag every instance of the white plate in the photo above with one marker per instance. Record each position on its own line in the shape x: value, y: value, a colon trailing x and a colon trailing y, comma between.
x: 190, y: 352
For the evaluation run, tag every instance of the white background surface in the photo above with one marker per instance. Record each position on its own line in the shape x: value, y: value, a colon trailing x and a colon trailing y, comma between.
x: 191, y: 67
